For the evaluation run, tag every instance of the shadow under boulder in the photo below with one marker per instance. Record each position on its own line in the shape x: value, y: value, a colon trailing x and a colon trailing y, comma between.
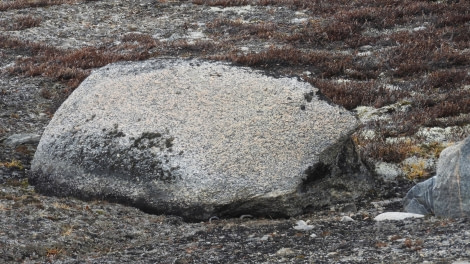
x: 198, y: 139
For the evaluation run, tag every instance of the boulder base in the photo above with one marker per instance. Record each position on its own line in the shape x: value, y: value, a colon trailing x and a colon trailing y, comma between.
x: 198, y: 139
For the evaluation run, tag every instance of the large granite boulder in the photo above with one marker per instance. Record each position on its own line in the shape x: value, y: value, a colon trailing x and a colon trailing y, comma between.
x: 448, y: 193
x: 198, y: 139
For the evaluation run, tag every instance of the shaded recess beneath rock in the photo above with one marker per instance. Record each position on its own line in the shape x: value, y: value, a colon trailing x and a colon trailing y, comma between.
x: 339, y: 176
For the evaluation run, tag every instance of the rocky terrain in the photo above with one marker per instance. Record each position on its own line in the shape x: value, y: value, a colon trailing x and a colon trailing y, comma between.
x: 402, y: 66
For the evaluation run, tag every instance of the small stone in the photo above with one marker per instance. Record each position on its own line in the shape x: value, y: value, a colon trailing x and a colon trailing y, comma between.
x: 303, y: 226
x: 349, y: 208
x: 331, y: 254
x: 396, y: 216
x: 285, y: 252
x: 347, y: 219
x: 265, y: 238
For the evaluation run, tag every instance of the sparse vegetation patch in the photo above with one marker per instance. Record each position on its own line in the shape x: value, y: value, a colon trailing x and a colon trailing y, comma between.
x: 20, y: 4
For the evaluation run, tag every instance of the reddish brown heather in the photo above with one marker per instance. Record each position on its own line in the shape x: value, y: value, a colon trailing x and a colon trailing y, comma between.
x: 20, y: 4
x: 21, y: 22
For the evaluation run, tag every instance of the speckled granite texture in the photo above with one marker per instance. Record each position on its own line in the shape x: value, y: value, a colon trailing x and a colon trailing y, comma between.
x: 196, y: 139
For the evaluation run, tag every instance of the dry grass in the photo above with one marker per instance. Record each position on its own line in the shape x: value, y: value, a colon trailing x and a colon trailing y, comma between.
x: 53, y: 252
x: 393, y: 152
x: 240, y: 30
x: 69, y: 66
x: 20, y: 4
x: 15, y: 164
x: 352, y: 94
x: 21, y: 22
x: 416, y: 171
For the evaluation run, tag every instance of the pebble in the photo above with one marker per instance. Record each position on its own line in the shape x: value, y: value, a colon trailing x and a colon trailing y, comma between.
x: 285, y: 252
x: 303, y: 226
x: 347, y: 219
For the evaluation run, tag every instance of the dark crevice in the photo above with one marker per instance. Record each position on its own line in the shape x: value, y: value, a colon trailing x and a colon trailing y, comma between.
x: 315, y: 173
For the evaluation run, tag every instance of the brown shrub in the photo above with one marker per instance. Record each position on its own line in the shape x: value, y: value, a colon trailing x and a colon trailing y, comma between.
x: 419, y: 52
x: 237, y: 29
x: 327, y: 63
x: 223, y: 3
x: 144, y: 39
x: 20, y: 4
x: 68, y: 66
x: 21, y: 22
x: 446, y: 80
x: 379, y: 149
x: 340, y: 31
x: 197, y: 46
x: 353, y: 94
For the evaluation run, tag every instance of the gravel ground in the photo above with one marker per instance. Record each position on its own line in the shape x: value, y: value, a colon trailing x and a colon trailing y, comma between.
x: 40, y: 229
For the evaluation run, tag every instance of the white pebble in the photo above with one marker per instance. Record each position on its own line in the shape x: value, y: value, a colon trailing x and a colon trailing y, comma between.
x: 302, y: 225
x: 396, y: 216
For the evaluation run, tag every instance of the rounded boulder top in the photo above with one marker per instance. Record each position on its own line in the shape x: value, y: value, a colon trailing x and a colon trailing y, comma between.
x: 191, y: 137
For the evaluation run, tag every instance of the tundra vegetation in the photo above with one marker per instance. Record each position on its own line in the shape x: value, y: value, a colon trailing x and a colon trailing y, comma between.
x: 410, y: 54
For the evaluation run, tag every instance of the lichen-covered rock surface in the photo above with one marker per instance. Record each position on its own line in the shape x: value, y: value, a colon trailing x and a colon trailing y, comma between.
x: 196, y: 139
x: 446, y: 194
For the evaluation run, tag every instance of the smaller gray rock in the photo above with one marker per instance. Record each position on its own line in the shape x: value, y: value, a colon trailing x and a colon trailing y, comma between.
x: 419, y: 199
x: 446, y: 194
x: 347, y: 219
x: 302, y: 225
x: 285, y: 252
x: 19, y: 139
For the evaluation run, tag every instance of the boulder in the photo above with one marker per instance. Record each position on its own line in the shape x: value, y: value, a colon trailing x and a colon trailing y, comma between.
x: 447, y: 193
x: 198, y: 139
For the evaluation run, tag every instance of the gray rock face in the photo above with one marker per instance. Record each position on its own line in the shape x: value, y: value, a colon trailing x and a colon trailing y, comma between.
x: 198, y: 139
x: 419, y: 199
x: 448, y: 193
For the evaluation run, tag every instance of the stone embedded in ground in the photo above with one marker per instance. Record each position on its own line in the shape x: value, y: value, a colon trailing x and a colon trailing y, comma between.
x: 419, y: 199
x: 446, y: 194
x: 396, y: 216
x: 199, y: 139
